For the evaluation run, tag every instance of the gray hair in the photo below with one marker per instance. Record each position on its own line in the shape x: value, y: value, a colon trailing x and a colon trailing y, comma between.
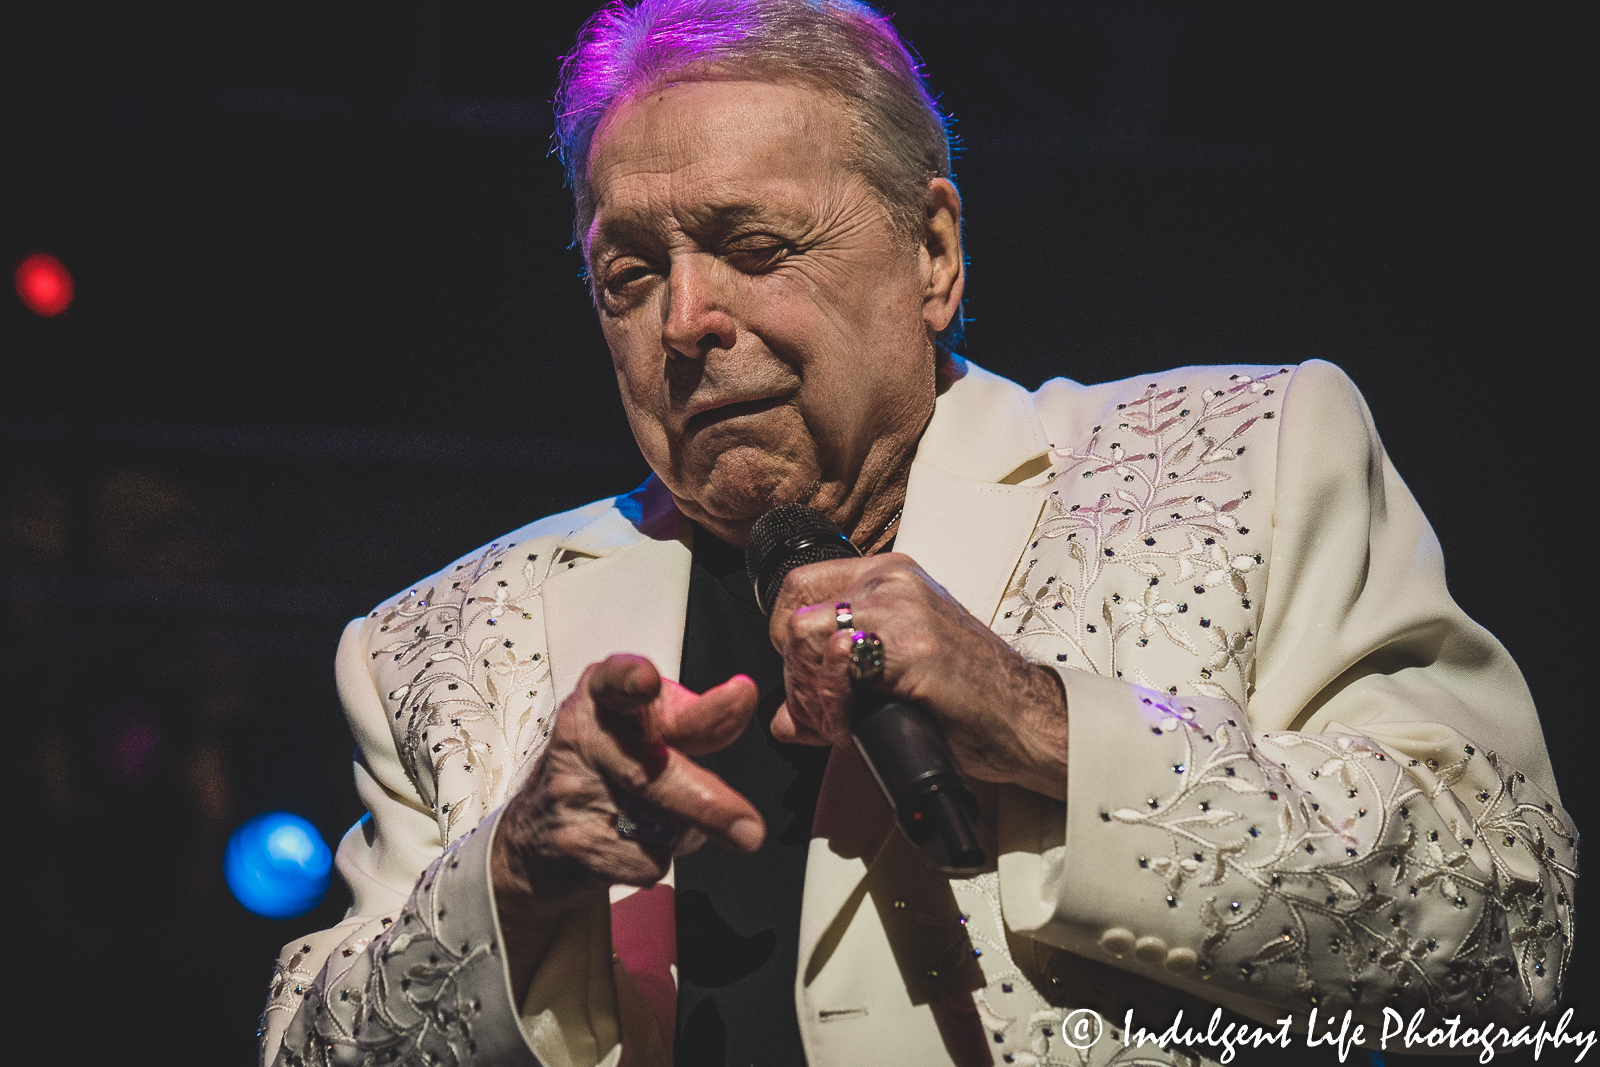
x: 899, y: 139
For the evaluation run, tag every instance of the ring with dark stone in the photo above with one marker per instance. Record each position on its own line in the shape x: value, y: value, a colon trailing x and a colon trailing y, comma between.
x: 866, y: 658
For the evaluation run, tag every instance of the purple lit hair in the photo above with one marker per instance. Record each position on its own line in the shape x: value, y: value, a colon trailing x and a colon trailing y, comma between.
x: 899, y: 137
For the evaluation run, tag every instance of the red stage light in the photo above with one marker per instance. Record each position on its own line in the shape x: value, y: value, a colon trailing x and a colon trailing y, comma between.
x: 44, y: 284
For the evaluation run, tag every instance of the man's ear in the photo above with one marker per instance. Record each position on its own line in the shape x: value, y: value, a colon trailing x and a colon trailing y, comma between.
x: 944, y: 266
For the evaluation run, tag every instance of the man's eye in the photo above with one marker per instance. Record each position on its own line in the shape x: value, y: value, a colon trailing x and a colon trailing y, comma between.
x: 757, y: 254
x: 623, y: 285
x: 622, y: 276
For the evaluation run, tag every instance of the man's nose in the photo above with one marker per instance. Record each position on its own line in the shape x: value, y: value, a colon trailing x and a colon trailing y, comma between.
x: 698, y: 319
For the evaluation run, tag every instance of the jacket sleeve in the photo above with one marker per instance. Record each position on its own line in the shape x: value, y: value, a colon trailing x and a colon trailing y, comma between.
x: 414, y: 973
x: 1382, y: 829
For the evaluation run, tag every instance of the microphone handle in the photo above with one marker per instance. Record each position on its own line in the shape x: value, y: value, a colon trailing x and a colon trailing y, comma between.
x: 904, y: 748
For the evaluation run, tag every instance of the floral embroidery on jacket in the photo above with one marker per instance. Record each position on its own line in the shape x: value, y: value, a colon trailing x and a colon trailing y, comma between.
x: 465, y: 676
x: 1329, y: 879
x: 1148, y: 530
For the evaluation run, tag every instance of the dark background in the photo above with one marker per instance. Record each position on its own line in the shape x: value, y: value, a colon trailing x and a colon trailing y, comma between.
x: 328, y: 336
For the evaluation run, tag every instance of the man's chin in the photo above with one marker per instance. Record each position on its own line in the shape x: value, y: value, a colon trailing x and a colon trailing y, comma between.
x: 729, y: 505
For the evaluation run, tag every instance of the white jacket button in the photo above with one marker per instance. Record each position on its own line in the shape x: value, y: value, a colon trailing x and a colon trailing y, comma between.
x: 1181, y: 960
x: 1150, y: 950
x: 1117, y: 941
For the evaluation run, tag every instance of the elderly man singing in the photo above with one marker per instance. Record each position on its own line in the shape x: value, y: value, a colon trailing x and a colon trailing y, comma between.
x: 1187, y: 638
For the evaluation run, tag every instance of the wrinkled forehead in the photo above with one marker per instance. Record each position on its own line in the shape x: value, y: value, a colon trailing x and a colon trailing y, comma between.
x: 713, y: 147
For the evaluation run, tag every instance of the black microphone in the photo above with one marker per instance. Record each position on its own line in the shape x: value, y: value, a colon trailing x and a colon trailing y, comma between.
x: 903, y: 746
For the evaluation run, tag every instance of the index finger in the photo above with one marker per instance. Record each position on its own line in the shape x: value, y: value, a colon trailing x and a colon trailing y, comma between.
x: 625, y: 691
x: 693, y: 794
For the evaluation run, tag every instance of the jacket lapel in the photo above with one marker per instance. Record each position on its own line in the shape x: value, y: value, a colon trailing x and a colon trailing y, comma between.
x: 967, y: 535
x: 626, y: 590
x: 966, y: 521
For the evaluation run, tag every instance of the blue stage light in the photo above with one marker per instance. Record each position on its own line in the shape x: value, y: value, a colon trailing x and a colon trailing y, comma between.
x: 278, y: 865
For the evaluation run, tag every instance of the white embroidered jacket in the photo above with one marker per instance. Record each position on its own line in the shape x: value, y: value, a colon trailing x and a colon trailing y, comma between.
x: 1298, y: 775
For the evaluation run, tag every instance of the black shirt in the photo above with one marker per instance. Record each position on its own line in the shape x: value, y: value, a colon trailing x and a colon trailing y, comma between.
x: 739, y: 915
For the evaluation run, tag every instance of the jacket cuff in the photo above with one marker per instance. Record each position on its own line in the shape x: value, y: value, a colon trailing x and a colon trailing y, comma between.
x: 431, y: 988
x: 1088, y: 876
x: 444, y: 964
x: 1290, y: 869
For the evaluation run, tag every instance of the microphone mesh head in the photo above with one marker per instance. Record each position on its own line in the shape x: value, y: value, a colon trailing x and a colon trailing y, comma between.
x: 787, y: 537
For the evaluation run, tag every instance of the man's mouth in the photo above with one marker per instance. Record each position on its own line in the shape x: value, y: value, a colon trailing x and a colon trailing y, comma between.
x: 725, y: 412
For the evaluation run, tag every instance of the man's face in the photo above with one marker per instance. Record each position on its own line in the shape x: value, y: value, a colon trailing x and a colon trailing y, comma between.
x: 771, y: 331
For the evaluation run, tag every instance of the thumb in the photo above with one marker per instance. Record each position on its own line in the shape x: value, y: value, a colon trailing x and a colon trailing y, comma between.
x: 698, y: 724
